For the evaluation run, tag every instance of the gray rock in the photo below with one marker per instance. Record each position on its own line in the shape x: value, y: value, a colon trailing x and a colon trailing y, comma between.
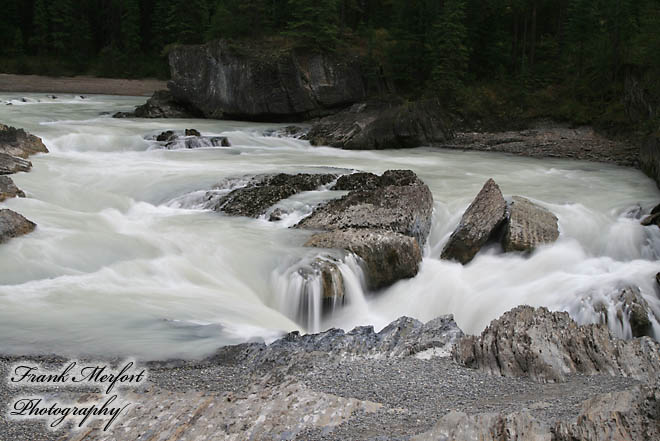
x: 17, y: 142
x: 166, y: 136
x: 296, y: 132
x: 388, y: 257
x: 192, y: 132
x: 263, y: 192
x: 382, y: 125
x: 528, y: 226
x: 636, y: 311
x: 549, y: 346
x: 480, y: 222
x: 224, y: 81
x: 649, y: 157
x: 403, y: 206
x: 358, y: 181
x: 12, y: 164
x: 161, y: 105
x: 13, y: 225
x: 192, y: 140
x: 8, y: 189
x: 652, y: 219
x: 332, y: 282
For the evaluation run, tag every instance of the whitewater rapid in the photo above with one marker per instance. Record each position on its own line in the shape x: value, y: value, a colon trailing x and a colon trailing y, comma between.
x: 123, y: 261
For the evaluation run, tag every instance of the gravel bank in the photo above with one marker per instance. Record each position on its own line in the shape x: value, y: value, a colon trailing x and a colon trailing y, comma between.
x: 80, y: 84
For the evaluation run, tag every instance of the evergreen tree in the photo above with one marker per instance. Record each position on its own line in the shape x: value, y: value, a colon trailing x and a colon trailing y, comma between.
x: 130, y: 26
x: 450, y: 52
x: 41, y: 37
x: 61, y: 18
x: 314, y: 24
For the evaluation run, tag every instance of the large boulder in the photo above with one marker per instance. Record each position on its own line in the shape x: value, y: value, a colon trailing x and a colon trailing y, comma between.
x: 12, y: 164
x: 528, y: 226
x: 382, y: 125
x: 388, y: 256
x: 549, y: 346
x: 262, y: 192
x: 224, y: 81
x: 401, y: 204
x: 17, y: 142
x: 8, y: 189
x: 161, y: 105
x: 481, y: 221
x: 13, y: 224
x: 649, y: 157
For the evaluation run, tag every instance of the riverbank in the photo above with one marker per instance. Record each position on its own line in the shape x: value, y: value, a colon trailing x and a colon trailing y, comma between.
x: 79, y: 85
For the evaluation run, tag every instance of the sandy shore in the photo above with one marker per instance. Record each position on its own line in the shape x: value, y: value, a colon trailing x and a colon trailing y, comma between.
x: 81, y: 84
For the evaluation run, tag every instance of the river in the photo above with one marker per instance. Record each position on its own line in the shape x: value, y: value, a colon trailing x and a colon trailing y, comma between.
x: 123, y: 261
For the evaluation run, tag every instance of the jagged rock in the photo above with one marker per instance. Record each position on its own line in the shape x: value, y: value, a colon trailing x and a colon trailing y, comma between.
x: 548, y: 346
x: 252, y: 83
x: 403, y: 337
x: 404, y: 205
x: 17, y: 142
x: 13, y: 225
x: 382, y: 125
x: 161, y: 105
x: 636, y: 311
x: 8, y: 189
x: 11, y: 164
x: 528, y: 226
x: 388, y: 256
x: 626, y: 415
x: 263, y: 192
x: 480, y: 221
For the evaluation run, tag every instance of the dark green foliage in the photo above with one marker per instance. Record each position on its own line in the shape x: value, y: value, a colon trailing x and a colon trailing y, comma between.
x: 314, y: 23
x: 449, y: 50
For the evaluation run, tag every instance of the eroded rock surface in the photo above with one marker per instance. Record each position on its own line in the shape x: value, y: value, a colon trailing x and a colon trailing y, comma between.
x: 481, y: 220
x: 388, y: 256
x: 528, y: 226
x: 549, y: 346
x: 13, y: 225
x: 8, y: 189
x: 17, y: 142
x: 161, y: 105
x: 189, y: 139
x: 12, y: 164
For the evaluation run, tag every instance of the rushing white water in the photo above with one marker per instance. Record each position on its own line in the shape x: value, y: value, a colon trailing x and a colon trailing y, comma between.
x: 118, y: 267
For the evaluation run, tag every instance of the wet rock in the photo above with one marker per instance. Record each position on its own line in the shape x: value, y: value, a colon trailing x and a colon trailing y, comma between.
x: 8, y: 189
x: 166, y: 136
x: 657, y: 278
x: 403, y: 204
x: 401, y: 338
x: 296, y: 132
x: 277, y: 215
x: 480, y: 221
x: 192, y: 132
x: 254, y: 199
x: 224, y: 81
x: 388, y: 256
x: 192, y: 140
x: 17, y: 142
x: 332, y: 282
x: 653, y: 219
x: 649, y: 157
x: 528, y: 226
x: 12, y: 164
x: 549, y: 346
x: 636, y: 310
x: 13, y: 225
x: 382, y: 125
x: 161, y: 105
x: 358, y: 181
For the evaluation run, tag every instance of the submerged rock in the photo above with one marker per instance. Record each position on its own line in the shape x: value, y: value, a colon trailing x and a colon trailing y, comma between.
x: 11, y: 164
x: 332, y: 282
x: 161, y: 105
x: 13, y: 225
x: 402, y: 204
x: 549, y: 346
x: 382, y: 125
x: 528, y: 226
x: 636, y: 310
x: 192, y: 139
x: 388, y: 256
x: 227, y: 82
x: 17, y: 142
x: 481, y: 220
x: 8, y: 189
x: 263, y: 192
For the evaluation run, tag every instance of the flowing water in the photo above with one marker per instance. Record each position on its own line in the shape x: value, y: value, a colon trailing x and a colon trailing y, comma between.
x: 126, y: 262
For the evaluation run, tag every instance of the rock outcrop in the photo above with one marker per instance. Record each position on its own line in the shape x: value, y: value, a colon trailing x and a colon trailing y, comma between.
x: 528, y: 226
x: 161, y: 105
x: 401, y: 204
x: 549, y: 346
x: 482, y: 219
x: 12, y: 164
x: 388, y: 256
x: 13, y: 225
x: 262, y: 192
x: 382, y: 125
x: 8, y: 189
x: 636, y: 311
x: 17, y: 142
x: 249, y: 83
x: 649, y: 157
x: 190, y: 139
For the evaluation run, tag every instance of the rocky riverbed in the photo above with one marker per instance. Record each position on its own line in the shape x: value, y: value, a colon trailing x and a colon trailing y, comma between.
x: 409, y: 381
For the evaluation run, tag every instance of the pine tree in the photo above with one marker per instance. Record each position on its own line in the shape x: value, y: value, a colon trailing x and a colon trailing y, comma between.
x: 61, y: 17
x: 130, y: 26
x: 449, y: 49
x: 40, y: 40
x: 314, y: 24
